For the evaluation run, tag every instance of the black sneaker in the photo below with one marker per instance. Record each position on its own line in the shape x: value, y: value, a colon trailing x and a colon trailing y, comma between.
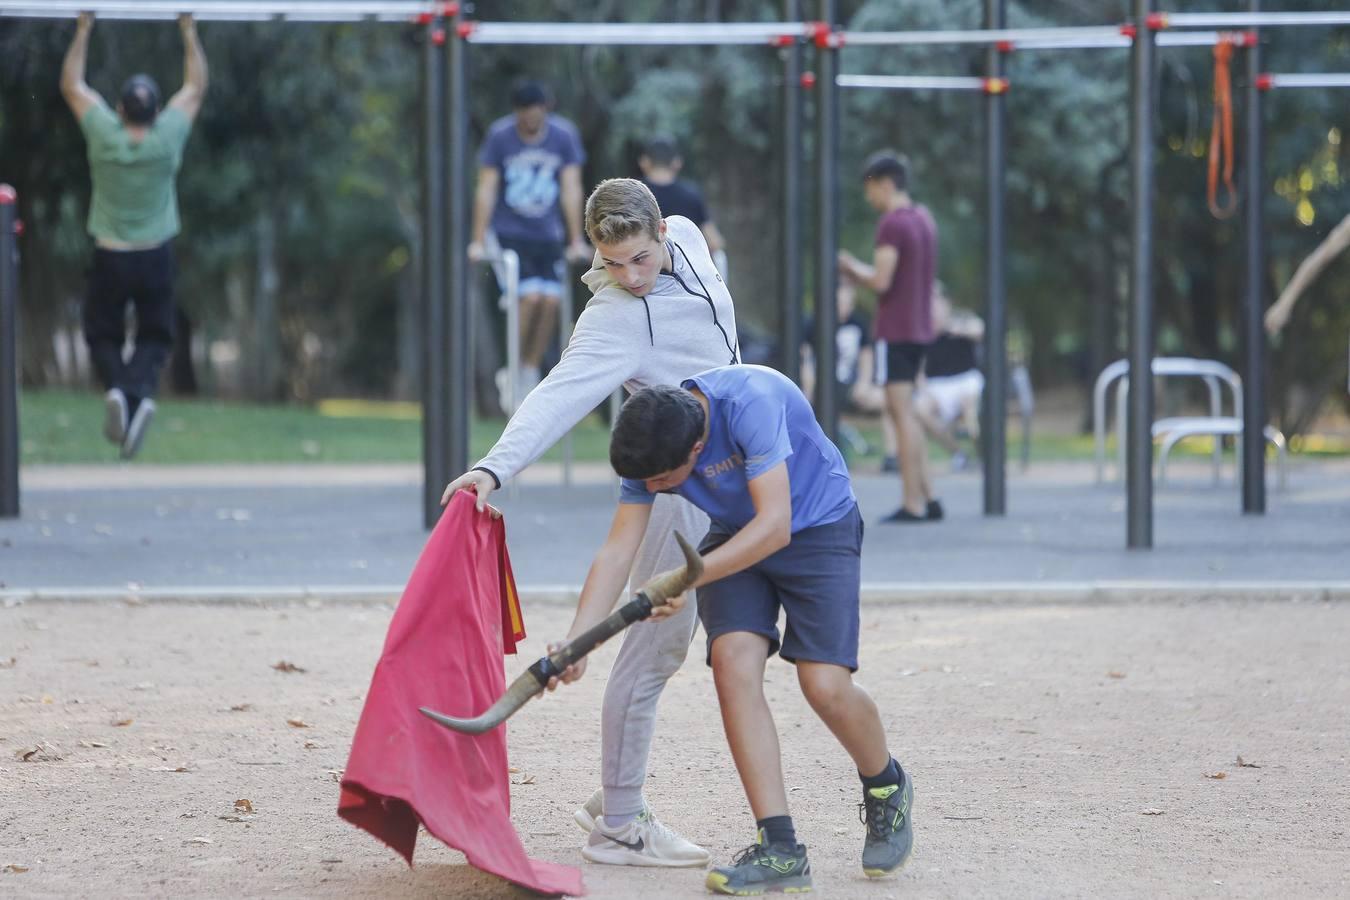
x: 885, y: 812
x: 136, y: 429
x: 933, y: 511
x: 761, y: 869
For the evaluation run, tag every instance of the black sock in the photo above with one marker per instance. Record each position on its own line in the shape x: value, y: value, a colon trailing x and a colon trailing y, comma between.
x: 778, y: 830
x: 887, y: 776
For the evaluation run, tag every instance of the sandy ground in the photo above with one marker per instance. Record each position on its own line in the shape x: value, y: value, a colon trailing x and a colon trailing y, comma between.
x: 1057, y: 751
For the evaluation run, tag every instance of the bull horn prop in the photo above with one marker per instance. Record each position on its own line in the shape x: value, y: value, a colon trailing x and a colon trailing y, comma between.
x: 533, y: 680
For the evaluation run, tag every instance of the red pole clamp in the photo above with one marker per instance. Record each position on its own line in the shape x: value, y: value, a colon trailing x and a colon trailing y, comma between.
x: 808, y: 80
x: 438, y: 37
x: 1248, y: 39
x: 824, y: 36
x: 782, y: 40
x: 996, y: 85
x: 1157, y: 21
x: 1129, y: 31
x: 18, y: 227
x: 424, y: 18
x: 449, y: 10
x: 1265, y: 82
x: 1005, y: 46
x: 465, y: 29
x: 8, y: 195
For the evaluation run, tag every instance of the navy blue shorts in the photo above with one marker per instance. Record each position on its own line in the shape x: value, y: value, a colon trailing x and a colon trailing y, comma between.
x: 538, y: 265
x: 902, y: 362
x: 815, y: 580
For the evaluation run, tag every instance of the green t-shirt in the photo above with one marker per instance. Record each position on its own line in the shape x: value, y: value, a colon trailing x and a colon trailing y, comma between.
x: 135, y: 200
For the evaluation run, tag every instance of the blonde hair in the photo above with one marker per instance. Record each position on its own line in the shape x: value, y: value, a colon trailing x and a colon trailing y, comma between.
x: 620, y: 208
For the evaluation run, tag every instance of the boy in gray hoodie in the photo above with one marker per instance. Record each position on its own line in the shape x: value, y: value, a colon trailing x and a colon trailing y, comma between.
x: 659, y: 313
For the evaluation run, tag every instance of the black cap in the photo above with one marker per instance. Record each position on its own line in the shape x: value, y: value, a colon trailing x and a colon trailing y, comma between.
x: 140, y: 100
x: 887, y: 164
x: 662, y: 150
x: 529, y: 93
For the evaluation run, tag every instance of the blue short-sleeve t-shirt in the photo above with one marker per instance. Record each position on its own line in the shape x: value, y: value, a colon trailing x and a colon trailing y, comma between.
x: 527, y: 202
x: 757, y: 418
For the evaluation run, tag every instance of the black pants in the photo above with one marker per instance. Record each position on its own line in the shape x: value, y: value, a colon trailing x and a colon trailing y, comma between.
x: 143, y: 278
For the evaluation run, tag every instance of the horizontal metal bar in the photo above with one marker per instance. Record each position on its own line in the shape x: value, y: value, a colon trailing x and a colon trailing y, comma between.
x: 223, y: 10
x: 1320, y: 80
x: 976, y: 36
x: 1166, y: 39
x: 1253, y: 20
x: 624, y: 33
x: 912, y: 82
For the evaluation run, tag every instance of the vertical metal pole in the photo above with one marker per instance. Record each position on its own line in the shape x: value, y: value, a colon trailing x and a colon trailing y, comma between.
x: 1254, y: 349
x: 435, y: 472
x: 995, y: 399
x: 1139, y: 454
x: 790, y: 313
x: 456, y: 339
x: 827, y: 204
x: 9, y: 355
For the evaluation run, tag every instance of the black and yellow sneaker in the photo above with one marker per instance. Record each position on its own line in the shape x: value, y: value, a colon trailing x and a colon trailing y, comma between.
x: 763, y: 869
x: 885, y: 812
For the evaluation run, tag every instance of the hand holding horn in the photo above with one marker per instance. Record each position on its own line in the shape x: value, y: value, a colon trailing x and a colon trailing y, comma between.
x: 657, y: 592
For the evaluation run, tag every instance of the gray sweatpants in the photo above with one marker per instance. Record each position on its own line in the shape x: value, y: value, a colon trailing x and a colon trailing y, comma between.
x: 652, y: 651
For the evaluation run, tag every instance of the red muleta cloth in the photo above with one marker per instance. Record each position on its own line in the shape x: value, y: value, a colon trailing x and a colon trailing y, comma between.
x: 444, y: 651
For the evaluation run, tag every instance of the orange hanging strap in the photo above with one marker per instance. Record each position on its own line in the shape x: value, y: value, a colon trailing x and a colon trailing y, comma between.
x: 1221, y: 134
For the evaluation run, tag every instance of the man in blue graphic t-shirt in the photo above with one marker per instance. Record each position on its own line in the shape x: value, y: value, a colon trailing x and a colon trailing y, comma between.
x: 529, y: 193
x: 742, y: 444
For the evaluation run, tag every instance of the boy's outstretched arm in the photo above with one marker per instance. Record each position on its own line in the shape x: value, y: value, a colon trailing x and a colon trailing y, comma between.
x: 607, y: 577
x: 767, y: 533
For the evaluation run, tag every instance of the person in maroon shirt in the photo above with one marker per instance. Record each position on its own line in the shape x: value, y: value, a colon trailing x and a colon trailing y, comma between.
x: 902, y: 272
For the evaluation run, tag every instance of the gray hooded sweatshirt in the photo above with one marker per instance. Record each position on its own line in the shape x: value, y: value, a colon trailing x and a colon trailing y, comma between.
x: 685, y: 325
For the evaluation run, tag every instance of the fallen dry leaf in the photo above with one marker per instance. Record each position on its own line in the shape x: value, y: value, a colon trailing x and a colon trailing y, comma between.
x: 199, y: 840
x: 336, y: 774
x: 313, y: 745
x: 241, y: 707
x: 42, y: 752
x: 1115, y: 674
x: 121, y: 723
x: 169, y: 769
x: 1217, y: 776
x: 14, y: 867
x: 92, y: 744
x: 1244, y: 764
x: 297, y: 723
x: 513, y: 770
x: 48, y: 699
x: 244, y: 805
x: 9, y: 664
x: 285, y: 666
x: 1151, y: 811
x: 330, y: 860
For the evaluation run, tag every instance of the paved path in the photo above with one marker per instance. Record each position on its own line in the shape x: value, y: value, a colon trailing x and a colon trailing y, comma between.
x: 355, y: 531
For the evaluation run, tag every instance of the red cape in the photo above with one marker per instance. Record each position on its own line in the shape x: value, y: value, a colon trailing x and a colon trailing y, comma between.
x: 444, y: 651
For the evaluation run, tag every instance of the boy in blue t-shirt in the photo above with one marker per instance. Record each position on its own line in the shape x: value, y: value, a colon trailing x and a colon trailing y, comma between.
x: 742, y: 444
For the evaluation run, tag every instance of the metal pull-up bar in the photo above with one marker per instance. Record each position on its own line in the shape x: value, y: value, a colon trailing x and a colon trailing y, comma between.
x: 1272, y: 80
x: 227, y: 10
x: 925, y: 83
x: 1163, y: 20
x: 648, y: 33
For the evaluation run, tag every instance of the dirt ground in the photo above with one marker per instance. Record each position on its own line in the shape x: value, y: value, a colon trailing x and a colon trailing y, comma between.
x: 1057, y: 751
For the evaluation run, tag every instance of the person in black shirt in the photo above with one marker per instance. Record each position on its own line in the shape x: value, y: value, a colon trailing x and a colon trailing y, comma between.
x: 952, y: 384
x: 859, y: 391
x: 660, y: 164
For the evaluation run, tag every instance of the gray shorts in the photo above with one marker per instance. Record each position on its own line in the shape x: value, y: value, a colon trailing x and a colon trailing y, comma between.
x: 815, y: 580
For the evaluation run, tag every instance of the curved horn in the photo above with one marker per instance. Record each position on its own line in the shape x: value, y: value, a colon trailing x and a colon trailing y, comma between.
x: 676, y: 582
x: 656, y: 592
x: 516, y: 696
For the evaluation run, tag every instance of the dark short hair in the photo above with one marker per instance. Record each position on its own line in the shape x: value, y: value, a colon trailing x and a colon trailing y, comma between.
x: 529, y: 93
x: 140, y: 100
x: 888, y: 164
x: 662, y: 150
x: 655, y: 431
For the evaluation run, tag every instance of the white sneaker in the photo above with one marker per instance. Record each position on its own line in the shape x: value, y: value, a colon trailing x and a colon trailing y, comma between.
x: 136, y: 428
x: 115, y: 415
x: 642, y: 842
x: 589, y: 811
